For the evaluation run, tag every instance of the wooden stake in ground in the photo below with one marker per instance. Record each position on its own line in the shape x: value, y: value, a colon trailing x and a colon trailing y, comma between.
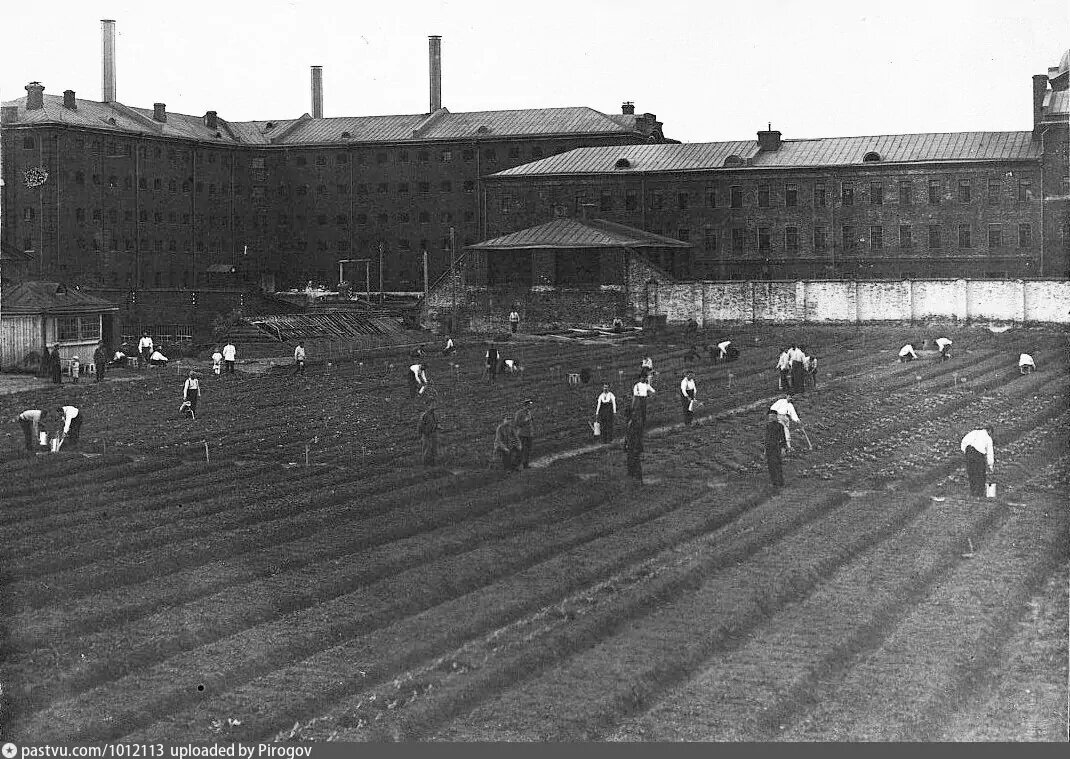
x: 806, y: 436
x: 206, y: 461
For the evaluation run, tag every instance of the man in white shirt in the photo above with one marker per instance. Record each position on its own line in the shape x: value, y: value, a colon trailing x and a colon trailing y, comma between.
x: 229, y: 354
x: 217, y: 362
x: 980, y: 458
x: 783, y: 365
x: 417, y: 380
x: 30, y: 421
x: 144, y: 348
x: 72, y: 426
x: 158, y: 359
x: 944, y: 345
x: 722, y: 349
x: 299, y: 359
x: 1025, y: 364
x: 641, y: 390
x: 906, y: 353
x: 785, y: 414
x: 514, y: 321
x: 687, y: 397
x: 450, y: 347
x: 191, y: 393
x: 605, y: 411
x: 512, y: 367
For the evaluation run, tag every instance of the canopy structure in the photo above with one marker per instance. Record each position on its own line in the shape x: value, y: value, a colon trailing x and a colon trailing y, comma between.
x: 576, y: 234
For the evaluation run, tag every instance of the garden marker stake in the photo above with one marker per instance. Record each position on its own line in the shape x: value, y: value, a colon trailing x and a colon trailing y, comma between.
x: 807, y: 437
x: 306, y: 455
x: 206, y: 461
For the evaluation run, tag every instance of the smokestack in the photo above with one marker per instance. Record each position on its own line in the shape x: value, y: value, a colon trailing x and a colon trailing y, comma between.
x: 434, y: 54
x: 107, y: 89
x: 317, y: 92
x: 1040, y: 89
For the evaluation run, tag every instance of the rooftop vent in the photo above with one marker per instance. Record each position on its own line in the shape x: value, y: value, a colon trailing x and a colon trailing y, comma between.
x: 871, y: 157
x: 346, y: 136
x: 159, y: 112
x: 269, y: 125
x: 69, y: 101
x: 622, y: 163
x: 483, y: 130
x: 35, y: 96
x: 627, y: 108
x: 733, y: 160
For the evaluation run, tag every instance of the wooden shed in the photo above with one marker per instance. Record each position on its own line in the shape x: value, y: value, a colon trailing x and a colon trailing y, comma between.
x: 36, y: 315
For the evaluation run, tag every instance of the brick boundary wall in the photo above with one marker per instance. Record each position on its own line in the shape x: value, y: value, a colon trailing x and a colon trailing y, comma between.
x: 835, y: 301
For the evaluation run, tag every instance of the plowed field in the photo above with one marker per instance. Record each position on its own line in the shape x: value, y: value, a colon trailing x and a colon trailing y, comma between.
x: 284, y: 567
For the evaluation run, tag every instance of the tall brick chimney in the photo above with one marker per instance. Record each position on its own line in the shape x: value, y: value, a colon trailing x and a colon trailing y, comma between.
x: 627, y: 108
x: 1040, y: 88
x: 107, y: 32
x: 434, y: 60
x: 317, y: 92
x: 159, y: 112
x: 68, y: 100
x: 35, y: 96
x: 769, y: 140
x: 211, y: 120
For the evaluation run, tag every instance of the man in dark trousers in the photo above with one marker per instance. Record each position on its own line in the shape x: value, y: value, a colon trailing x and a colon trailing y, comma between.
x: 525, y: 430
x: 687, y: 396
x: 428, y: 430
x: 55, y: 365
x: 100, y: 361
x: 633, y: 444
x: 980, y: 458
x: 72, y: 426
x: 492, y: 361
x: 775, y: 445
x: 30, y: 421
x: 507, y: 444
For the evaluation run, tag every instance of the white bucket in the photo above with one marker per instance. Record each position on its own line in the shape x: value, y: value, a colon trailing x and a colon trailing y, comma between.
x: 55, y: 444
x: 43, y: 438
x: 990, y: 490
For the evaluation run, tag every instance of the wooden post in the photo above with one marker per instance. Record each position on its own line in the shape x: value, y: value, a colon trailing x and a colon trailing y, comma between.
x: 206, y: 460
x: 306, y: 455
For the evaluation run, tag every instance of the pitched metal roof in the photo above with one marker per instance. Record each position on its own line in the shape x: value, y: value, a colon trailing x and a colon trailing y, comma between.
x: 828, y: 151
x: 442, y: 125
x: 573, y: 233
x: 51, y: 298
x: 1057, y: 104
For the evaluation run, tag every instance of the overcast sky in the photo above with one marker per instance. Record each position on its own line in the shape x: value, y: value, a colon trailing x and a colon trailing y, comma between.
x: 709, y: 70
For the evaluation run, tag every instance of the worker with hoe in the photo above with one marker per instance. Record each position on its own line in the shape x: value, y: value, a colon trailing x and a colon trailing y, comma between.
x: 605, y: 411
x: 785, y: 414
x: 687, y: 396
x: 776, y: 443
x: 980, y: 454
x: 507, y: 444
x: 428, y: 431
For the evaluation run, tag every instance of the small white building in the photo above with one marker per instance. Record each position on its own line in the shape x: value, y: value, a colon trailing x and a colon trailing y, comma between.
x: 34, y: 316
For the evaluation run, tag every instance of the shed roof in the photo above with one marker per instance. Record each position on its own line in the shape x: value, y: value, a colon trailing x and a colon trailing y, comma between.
x: 573, y: 233
x: 51, y: 298
x: 806, y: 153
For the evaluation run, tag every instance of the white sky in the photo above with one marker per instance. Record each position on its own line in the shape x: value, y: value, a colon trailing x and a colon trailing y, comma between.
x: 709, y: 70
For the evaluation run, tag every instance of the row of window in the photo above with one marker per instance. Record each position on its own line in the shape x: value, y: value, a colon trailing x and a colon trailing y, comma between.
x: 445, y: 216
x: 856, y: 238
x: 850, y: 194
x: 203, y: 246
x: 259, y: 191
x: 442, y: 155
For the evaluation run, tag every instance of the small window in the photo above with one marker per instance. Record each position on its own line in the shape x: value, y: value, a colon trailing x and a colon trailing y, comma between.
x: 763, y: 196
x: 906, y: 192
x: 995, y: 236
x: 847, y: 193
x: 791, y: 239
x: 936, y: 240
x: 876, y: 237
x: 737, y: 196
x: 871, y: 157
x: 820, y: 199
x: 489, y: 154
x: 850, y: 241
x: 1025, y: 235
x: 514, y: 152
x: 469, y: 185
x: 906, y: 236
x: 321, y: 160
x: 468, y: 154
x: 711, y: 196
x: 343, y: 189
x: 934, y: 192
x: 965, y: 240
x: 605, y: 202
x: 29, y: 143
x: 764, y: 243
x: 964, y: 191
x: 422, y: 156
x: 791, y: 195
x: 657, y: 200
x: 1025, y: 190
x: 445, y: 156
x: 876, y: 193
x: 622, y: 163
x: 536, y: 153
x: 341, y: 158
x: 683, y: 234
x: 993, y: 192
x: 739, y: 239
x: 683, y: 199
x: 820, y: 239
x: 631, y: 200
x: 300, y: 160
x: 341, y: 220
x: 709, y: 239
x: 403, y: 156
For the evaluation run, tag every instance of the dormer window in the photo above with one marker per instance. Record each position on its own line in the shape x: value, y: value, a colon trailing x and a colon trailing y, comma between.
x: 733, y: 160
x: 269, y: 125
x: 871, y: 157
x: 483, y: 130
x: 346, y: 135
x: 622, y: 163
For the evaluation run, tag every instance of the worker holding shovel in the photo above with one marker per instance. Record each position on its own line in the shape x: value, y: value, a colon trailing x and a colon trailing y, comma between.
x: 786, y: 414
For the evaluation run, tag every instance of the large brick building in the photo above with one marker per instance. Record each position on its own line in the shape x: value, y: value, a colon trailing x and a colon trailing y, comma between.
x: 972, y: 204
x: 112, y: 196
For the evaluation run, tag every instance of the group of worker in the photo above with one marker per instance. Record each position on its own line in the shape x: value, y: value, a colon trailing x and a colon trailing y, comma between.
x: 795, y: 367
x: 67, y: 434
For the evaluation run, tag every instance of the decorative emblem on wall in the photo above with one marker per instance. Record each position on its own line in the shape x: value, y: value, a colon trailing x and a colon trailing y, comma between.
x: 35, y: 177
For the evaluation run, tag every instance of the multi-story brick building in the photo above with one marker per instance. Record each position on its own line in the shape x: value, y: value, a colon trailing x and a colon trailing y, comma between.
x: 972, y: 204
x: 113, y: 196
